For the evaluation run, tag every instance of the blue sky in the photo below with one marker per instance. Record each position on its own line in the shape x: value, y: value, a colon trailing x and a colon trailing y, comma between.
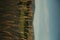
x: 53, y: 9
x: 46, y: 20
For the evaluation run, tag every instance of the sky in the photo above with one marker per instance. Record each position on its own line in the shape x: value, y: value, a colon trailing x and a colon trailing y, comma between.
x: 46, y: 20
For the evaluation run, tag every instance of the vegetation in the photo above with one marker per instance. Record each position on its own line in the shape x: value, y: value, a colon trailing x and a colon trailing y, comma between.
x: 15, y: 20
